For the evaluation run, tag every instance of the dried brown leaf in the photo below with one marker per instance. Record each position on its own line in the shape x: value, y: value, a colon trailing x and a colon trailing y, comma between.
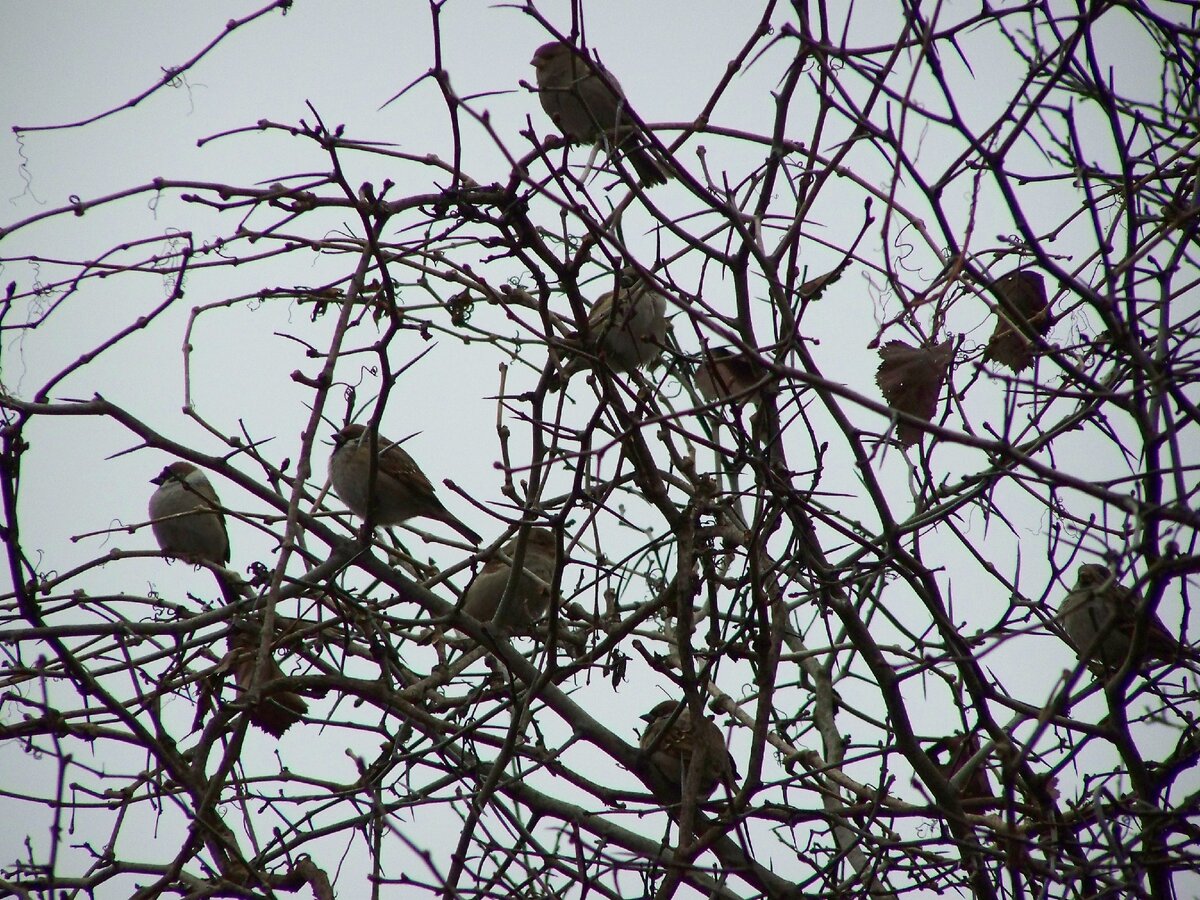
x: 911, y: 379
x: 274, y: 713
x: 1026, y: 293
x: 814, y: 287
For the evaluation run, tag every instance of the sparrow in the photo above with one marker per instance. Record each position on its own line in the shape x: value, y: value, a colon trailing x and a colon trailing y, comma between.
x: 532, y: 598
x: 727, y: 374
x: 585, y: 101
x: 276, y: 712
x: 627, y: 328
x: 959, y: 749
x: 186, y: 517
x: 399, y: 490
x: 1099, y: 616
x: 673, y: 749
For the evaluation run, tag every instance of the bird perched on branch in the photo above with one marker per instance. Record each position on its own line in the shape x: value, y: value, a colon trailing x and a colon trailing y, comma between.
x: 1100, y: 616
x: 726, y: 374
x: 674, y: 746
x: 531, y: 598
x: 627, y: 328
x: 186, y: 516
x: 391, y: 490
x: 951, y: 755
x: 586, y: 103
x: 732, y: 376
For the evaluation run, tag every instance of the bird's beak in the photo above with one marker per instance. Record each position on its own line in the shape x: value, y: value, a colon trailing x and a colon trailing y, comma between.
x: 647, y: 718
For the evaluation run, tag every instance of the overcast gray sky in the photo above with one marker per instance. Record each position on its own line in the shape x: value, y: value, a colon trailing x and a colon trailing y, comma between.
x: 64, y: 62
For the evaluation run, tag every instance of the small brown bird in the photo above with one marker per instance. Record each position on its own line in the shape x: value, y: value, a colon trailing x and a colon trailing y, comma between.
x: 627, y: 329
x: 1099, y: 616
x: 958, y: 750
x: 585, y: 101
x: 531, y: 598
x: 673, y: 749
x: 186, y: 516
x: 726, y: 374
x: 400, y: 489
x: 276, y: 712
